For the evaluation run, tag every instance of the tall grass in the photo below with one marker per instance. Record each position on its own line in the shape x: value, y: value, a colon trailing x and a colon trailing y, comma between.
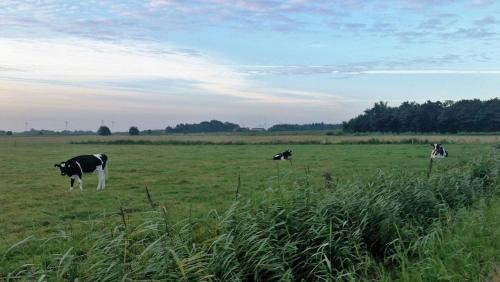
x: 342, y: 231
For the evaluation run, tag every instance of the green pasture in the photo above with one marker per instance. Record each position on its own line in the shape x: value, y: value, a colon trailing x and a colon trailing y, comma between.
x: 190, y: 180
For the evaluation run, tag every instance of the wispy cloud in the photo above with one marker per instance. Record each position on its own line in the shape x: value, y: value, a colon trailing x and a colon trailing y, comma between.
x: 333, y: 70
x: 108, y: 20
x: 90, y: 63
x: 471, y: 33
x: 418, y: 65
x: 488, y: 20
x: 432, y: 71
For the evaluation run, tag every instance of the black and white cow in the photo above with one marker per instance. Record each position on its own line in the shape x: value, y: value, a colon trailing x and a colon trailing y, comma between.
x: 77, y: 166
x: 438, y: 151
x: 286, y: 155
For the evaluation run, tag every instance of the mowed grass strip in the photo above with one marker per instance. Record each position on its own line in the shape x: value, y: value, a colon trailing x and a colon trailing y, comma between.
x: 189, y: 180
x: 263, y: 138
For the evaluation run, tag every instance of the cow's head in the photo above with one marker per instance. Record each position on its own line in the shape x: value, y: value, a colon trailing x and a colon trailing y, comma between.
x: 64, y: 168
x: 287, y: 153
x: 436, y: 147
x: 438, y: 151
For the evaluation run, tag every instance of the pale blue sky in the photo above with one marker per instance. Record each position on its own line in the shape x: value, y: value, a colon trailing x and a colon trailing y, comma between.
x: 160, y: 62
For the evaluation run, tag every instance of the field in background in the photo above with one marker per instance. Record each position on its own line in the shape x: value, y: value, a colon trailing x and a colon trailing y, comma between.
x: 188, y: 179
x: 265, y: 138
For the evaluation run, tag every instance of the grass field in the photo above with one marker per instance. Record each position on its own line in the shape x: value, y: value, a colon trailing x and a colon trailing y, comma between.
x: 190, y: 180
x: 35, y: 198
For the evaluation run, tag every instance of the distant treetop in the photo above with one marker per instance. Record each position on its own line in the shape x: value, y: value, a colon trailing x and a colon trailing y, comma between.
x: 104, y: 131
x: 134, y: 130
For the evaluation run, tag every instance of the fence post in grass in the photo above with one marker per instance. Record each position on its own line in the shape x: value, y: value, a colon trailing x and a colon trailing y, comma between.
x: 278, y: 171
x: 306, y: 168
x: 190, y: 214
x: 237, y: 196
x: 328, y: 180
x: 430, y: 168
x: 165, y: 218
x: 122, y: 214
x: 150, y: 200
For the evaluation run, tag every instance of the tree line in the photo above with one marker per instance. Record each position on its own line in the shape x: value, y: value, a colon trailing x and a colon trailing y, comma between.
x: 444, y: 117
x: 305, y: 127
x: 205, y: 127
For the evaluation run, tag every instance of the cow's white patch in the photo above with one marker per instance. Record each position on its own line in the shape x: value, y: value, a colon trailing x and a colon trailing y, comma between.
x: 81, y: 170
x: 99, y: 157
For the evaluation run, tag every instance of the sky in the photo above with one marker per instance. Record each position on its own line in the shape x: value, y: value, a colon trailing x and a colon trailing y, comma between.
x: 157, y: 63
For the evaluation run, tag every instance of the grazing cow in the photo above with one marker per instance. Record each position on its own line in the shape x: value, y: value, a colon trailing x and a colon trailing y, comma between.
x: 286, y: 155
x: 438, y: 151
x: 77, y: 166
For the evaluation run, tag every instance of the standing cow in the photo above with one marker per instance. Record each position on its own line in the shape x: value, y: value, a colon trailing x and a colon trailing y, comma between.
x: 77, y: 166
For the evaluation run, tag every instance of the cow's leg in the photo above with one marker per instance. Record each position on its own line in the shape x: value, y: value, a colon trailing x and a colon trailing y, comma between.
x: 99, y: 175
x: 72, y: 182
x: 102, y: 179
x: 103, y: 184
x: 80, y: 182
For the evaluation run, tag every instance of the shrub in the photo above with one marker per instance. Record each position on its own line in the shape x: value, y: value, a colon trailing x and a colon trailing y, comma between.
x: 104, y: 131
x: 133, y: 130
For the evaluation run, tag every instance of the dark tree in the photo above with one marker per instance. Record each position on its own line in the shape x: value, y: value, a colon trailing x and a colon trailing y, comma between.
x: 104, y: 131
x: 133, y: 130
x: 461, y: 116
x: 9, y: 133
